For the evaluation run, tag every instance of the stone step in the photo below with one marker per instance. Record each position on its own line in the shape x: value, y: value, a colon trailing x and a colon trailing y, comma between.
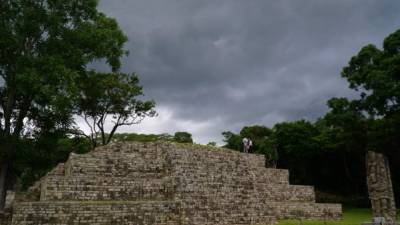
x: 99, y: 213
x: 284, y: 210
x: 284, y: 193
x: 117, y: 166
x: 301, y: 210
x: 59, y: 170
x: 117, y: 170
x: 125, y: 153
x: 212, y: 211
x: 229, y: 193
x: 213, y: 217
x: 107, y: 188
x: 221, y: 158
x: 127, y: 148
x: 246, y: 177
x: 271, y: 175
x: 149, y: 153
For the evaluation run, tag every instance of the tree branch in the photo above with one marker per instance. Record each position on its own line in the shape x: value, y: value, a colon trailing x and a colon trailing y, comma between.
x: 92, y: 131
x: 8, y: 110
x: 100, y: 125
x: 1, y: 121
x: 116, y: 125
x: 78, y: 133
x: 26, y: 103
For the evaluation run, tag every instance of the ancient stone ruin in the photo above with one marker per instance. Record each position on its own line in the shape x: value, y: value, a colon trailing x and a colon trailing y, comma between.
x: 380, y: 187
x: 166, y: 184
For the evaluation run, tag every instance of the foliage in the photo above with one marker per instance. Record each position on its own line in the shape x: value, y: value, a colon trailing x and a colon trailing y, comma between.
x: 142, y: 137
x: 212, y: 144
x: 115, y: 95
x: 255, y: 132
x: 371, y: 122
x: 183, y: 137
x: 37, y: 156
x: 296, y: 146
x: 232, y: 140
x: 261, y: 136
x: 45, y: 49
x: 375, y: 74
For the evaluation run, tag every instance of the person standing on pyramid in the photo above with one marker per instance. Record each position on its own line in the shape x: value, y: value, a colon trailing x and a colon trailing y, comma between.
x: 247, y: 143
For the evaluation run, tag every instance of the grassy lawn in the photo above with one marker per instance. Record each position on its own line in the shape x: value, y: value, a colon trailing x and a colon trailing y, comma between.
x: 353, y: 216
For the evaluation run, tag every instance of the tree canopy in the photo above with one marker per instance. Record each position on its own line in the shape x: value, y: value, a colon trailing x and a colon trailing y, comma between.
x: 46, y: 47
x: 261, y: 137
x: 183, y: 137
x: 375, y: 74
x: 115, y: 95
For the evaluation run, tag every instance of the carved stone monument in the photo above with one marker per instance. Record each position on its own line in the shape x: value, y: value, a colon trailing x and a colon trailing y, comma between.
x: 380, y: 189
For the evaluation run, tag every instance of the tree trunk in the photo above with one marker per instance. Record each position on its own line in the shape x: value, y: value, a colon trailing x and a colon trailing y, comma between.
x: 347, y: 169
x: 3, y: 182
x: 5, y: 165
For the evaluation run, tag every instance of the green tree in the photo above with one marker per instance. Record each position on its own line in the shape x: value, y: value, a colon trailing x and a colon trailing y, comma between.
x: 45, y: 47
x: 263, y: 143
x: 232, y: 140
x: 115, y: 95
x: 375, y: 74
x: 346, y: 130
x: 262, y: 140
x: 36, y: 156
x: 255, y: 132
x: 296, y: 145
x: 142, y: 137
x: 212, y: 144
x: 183, y: 137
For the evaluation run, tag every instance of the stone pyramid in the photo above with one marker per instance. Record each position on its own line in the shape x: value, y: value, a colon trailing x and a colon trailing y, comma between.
x: 166, y: 184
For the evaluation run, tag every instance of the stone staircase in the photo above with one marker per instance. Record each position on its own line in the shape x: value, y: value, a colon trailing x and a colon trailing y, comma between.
x: 166, y: 184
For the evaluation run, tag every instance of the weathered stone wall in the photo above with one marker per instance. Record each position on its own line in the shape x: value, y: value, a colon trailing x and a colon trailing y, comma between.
x: 5, y: 218
x: 97, y: 213
x: 214, y: 183
x: 108, y: 188
x: 156, y: 183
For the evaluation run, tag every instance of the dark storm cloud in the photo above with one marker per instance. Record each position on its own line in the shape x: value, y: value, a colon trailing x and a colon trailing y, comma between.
x: 218, y: 65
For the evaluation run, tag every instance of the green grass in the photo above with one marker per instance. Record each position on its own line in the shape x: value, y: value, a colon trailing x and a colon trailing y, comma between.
x: 351, y: 216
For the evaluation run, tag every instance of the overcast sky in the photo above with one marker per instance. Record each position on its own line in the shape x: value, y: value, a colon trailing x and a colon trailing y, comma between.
x: 217, y: 65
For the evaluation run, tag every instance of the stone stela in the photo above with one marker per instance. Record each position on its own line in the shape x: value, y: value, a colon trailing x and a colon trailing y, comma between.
x: 166, y: 184
x: 380, y: 190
